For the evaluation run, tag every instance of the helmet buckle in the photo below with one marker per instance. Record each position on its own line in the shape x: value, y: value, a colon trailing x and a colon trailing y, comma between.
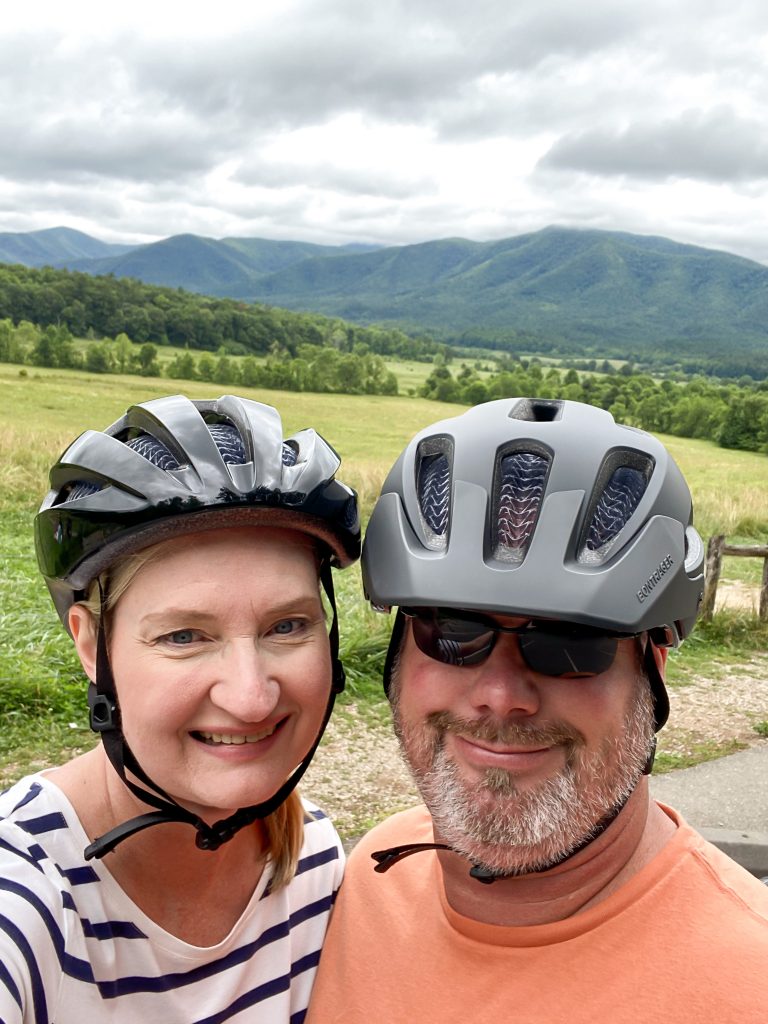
x: 104, y: 715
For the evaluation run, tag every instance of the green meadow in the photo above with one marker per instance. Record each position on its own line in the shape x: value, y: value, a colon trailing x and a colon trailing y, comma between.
x: 42, y: 717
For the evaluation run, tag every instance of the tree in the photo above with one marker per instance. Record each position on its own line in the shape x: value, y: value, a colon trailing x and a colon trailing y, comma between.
x: 124, y: 352
x: 26, y: 336
x: 44, y: 351
x: 699, y: 414
x: 148, y: 364
x: 350, y: 375
x: 475, y: 393
x: 250, y: 372
x: 183, y: 366
x: 745, y: 424
x: 225, y: 371
x: 98, y: 358
x: 6, y: 339
x: 206, y: 367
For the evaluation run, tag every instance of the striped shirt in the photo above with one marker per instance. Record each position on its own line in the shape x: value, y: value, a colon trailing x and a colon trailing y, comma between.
x: 75, y: 949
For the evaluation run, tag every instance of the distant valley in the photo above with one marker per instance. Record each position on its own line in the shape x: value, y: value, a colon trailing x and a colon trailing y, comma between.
x: 559, y: 288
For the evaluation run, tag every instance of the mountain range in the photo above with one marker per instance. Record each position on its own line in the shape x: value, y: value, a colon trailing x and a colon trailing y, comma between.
x: 577, y: 288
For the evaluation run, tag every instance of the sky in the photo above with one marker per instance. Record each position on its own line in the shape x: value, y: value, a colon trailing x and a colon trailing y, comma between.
x: 390, y: 122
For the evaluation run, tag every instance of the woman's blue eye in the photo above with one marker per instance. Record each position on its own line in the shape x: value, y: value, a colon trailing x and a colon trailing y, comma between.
x: 182, y: 636
x: 285, y: 626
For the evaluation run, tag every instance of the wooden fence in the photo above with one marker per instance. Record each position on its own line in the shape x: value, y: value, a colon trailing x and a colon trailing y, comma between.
x: 716, y: 549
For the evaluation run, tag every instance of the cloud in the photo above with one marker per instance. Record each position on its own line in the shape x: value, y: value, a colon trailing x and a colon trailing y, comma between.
x: 83, y: 152
x: 332, y: 120
x: 715, y: 145
x: 348, y: 155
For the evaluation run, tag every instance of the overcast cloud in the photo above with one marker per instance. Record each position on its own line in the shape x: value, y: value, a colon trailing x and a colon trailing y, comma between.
x: 338, y: 121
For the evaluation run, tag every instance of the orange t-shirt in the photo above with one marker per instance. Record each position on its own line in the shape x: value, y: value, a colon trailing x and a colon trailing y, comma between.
x: 685, y: 941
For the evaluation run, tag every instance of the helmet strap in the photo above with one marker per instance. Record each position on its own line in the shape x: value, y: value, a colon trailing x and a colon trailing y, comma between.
x: 658, y: 689
x: 479, y: 872
x: 393, y: 650
x: 105, y: 719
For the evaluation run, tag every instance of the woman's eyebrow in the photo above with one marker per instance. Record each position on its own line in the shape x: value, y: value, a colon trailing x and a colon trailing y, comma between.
x: 201, y: 616
x: 175, y: 614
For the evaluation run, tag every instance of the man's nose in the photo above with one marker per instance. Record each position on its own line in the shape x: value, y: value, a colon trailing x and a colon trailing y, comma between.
x: 503, y: 685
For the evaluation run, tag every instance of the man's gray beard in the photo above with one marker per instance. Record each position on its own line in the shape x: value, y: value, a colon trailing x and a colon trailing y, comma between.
x: 512, y: 831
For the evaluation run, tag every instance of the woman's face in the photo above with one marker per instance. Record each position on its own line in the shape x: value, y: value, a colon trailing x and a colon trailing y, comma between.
x: 221, y: 661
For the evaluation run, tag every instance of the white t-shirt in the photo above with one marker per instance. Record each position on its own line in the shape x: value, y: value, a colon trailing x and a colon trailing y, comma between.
x: 75, y: 949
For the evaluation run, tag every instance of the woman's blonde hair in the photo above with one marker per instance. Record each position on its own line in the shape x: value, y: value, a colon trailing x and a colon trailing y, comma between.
x: 284, y: 827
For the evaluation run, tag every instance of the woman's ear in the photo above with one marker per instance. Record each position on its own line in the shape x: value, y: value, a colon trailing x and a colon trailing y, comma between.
x: 83, y: 630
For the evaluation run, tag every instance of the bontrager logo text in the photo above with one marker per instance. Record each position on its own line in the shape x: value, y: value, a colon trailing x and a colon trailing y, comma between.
x: 655, y: 578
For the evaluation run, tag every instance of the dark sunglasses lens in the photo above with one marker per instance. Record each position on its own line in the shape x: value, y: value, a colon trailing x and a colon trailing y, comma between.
x: 567, y: 654
x: 453, y: 641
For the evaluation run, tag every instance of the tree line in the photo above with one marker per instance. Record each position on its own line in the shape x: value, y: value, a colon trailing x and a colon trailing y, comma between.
x: 685, y: 358
x: 107, y: 306
x: 311, y: 368
x: 733, y: 414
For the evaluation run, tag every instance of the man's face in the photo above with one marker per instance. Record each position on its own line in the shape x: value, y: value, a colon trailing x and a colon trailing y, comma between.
x: 518, y: 768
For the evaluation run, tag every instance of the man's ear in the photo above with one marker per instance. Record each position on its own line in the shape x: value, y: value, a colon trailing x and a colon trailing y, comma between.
x: 83, y: 630
x: 660, y: 657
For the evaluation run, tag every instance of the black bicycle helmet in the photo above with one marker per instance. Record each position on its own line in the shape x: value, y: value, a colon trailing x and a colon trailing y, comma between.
x: 173, y: 466
x: 543, y: 508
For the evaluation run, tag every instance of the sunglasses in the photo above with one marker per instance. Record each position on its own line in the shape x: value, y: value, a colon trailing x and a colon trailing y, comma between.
x: 548, y: 647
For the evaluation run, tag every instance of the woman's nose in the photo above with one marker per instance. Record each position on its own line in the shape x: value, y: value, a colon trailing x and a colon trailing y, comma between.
x: 246, y: 685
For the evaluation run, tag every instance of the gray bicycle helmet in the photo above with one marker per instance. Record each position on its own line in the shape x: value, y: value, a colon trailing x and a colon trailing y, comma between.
x: 173, y: 466
x: 548, y: 509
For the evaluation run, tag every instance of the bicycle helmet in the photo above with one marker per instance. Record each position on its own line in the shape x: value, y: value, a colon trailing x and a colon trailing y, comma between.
x: 542, y: 508
x: 173, y: 466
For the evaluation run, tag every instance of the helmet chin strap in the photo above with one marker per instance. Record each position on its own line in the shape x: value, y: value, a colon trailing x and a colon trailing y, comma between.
x: 480, y: 872
x: 105, y: 719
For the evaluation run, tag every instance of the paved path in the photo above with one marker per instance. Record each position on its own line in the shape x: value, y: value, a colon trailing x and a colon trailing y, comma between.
x: 727, y: 801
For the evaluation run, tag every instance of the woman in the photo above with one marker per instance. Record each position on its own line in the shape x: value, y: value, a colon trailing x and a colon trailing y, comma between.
x: 183, y: 548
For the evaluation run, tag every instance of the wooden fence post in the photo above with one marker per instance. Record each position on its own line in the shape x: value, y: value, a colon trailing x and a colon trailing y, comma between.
x: 764, y: 593
x: 712, y: 567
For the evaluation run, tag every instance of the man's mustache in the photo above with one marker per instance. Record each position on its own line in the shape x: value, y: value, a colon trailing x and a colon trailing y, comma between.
x: 505, y: 733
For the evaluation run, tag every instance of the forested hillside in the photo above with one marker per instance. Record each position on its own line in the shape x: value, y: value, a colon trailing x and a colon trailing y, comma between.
x: 54, y: 246
x: 560, y: 291
x: 108, y: 306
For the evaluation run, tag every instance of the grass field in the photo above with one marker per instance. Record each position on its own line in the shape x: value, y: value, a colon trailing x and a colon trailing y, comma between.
x: 43, y: 411
x: 41, y: 690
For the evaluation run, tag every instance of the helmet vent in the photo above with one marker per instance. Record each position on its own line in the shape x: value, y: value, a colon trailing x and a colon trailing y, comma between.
x: 77, y: 489
x: 290, y: 453
x: 613, y: 507
x: 536, y: 410
x: 520, y: 480
x: 153, y: 451
x: 229, y: 442
x: 433, y: 488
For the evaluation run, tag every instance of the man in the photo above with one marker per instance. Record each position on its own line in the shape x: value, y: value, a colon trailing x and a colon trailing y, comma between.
x: 543, y: 561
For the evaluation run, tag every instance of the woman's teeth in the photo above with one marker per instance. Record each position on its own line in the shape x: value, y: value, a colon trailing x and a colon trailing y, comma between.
x: 226, y: 738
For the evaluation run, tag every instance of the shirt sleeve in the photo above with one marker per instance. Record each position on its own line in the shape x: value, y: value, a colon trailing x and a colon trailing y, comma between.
x: 32, y: 933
